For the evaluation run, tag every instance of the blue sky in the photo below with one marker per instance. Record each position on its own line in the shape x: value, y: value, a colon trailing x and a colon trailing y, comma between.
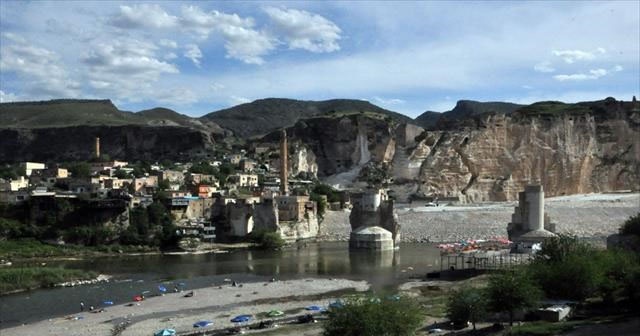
x: 197, y: 57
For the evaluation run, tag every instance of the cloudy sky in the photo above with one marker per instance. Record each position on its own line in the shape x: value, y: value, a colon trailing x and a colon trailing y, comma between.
x: 197, y: 57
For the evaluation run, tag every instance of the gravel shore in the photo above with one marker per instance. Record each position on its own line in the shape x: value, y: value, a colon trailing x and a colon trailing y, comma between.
x: 593, y: 216
x: 217, y: 303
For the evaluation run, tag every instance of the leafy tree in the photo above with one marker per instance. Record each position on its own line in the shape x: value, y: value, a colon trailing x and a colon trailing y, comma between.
x: 203, y: 168
x: 79, y: 169
x: 467, y: 304
x: 121, y: 174
x: 374, y: 317
x: 631, y: 226
x: 561, y: 247
x: 325, y: 189
x: 266, y: 240
x: 568, y: 268
x: 164, y: 185
x: 511, y: 290
x: 320, y: 202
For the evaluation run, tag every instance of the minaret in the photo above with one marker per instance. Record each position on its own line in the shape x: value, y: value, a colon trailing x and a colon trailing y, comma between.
x: 284, y: 183
x: 97, y: 147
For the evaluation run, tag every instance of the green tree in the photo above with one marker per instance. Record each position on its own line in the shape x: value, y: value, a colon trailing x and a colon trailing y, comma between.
x: 511, y: 290
x: 467, y: 304
x: 80, y: 169
x: 568, y: 268
x: 164, y: 185
x: 374, y: 317
x: 561, y: 247
x: 203, y: 168
x: 631, y: 226
x: 266, y: 240
x: 321, y: 204
x: 121, y: 174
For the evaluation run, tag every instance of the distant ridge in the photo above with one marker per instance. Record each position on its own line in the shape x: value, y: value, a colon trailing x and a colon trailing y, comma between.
x: 87, y: 112
x: 463, y: 109
x: 264, y: 115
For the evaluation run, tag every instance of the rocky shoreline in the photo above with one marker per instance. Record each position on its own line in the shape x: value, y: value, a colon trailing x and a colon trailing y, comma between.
x: 218, y: 303
x: 590, y: 216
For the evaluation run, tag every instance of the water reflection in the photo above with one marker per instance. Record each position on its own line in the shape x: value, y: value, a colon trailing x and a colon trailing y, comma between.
x: 135, y: 274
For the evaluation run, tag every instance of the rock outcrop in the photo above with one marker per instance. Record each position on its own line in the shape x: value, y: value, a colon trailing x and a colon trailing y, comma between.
x: 569, y: 149
x: 130, y: 142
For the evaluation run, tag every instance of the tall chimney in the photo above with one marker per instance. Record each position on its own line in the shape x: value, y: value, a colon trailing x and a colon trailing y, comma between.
x: 97, y: 147
x: 284, y: 183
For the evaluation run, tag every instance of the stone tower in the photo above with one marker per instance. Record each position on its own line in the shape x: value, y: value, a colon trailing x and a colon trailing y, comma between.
x: 284, y: 183
x: 97, y: 148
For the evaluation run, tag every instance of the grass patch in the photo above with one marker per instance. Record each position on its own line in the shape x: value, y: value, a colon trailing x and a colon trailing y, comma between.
x: 31, y: 248
x: 24, y: 278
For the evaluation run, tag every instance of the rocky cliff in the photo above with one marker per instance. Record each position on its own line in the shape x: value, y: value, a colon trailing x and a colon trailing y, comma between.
x: 569, y: 148
x: 130, y: 142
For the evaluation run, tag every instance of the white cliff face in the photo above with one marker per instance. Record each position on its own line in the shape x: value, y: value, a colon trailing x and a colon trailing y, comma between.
x: 361, y: 155
x: 304, y: 161
x: 567, y: 154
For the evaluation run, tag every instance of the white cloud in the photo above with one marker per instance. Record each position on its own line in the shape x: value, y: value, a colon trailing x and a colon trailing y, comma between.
x: 125, y: 68
x: 176, y: 96
x: 217, y: 86
x: 544, y: 67
x: 193, y: 53
x: 170, y: 56
x: 389, y: 101
x: 592, y: 74
x: 236, y: 100
x: 168, y: 43
x: 143, y: 16
x: 7, y: 97
x: 42, y: 71
x: 304, y: 30
x: 570, y: 56
x: 242, y: 41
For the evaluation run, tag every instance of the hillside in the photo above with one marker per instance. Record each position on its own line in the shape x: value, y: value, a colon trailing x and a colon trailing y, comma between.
x: 265, y: 115
x: 72, y: 112
x: 464, y: 109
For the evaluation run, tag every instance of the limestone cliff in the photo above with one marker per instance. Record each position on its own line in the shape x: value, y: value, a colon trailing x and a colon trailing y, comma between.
x: 577, y: 148
x: 568, y: 148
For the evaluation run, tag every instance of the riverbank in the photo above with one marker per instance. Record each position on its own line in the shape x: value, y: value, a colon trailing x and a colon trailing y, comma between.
x: 218, y: 303
x: 591, y: 216
x: 18, y: 279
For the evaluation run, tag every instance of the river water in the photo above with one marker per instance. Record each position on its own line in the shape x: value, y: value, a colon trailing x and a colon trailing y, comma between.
x: 134, y: 274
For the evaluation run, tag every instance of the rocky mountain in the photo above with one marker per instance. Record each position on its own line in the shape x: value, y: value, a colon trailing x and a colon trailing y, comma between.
x: 60, y: 130
x: 265, y: 115
x: 476, y: 152
x: 74, y: 112
x: 463, y: 110
x: 569, y: 148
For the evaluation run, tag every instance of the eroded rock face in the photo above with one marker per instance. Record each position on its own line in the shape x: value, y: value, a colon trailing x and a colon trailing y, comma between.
x: 122, y: 142
x: 587, y: 147
x: 595, y: 149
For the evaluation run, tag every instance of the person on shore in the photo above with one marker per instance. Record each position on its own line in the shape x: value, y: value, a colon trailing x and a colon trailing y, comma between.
x: 81, y: 306
x: 91, y: 308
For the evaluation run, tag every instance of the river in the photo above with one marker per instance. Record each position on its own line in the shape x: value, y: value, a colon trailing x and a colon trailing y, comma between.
x: 134, y: 274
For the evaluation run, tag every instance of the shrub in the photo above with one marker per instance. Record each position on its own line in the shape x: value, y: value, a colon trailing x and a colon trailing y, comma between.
x: 374, y: 317
x: 467, y: 304
x: 511, y: 290
x: 266, y: 240
x: 631, y: 226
